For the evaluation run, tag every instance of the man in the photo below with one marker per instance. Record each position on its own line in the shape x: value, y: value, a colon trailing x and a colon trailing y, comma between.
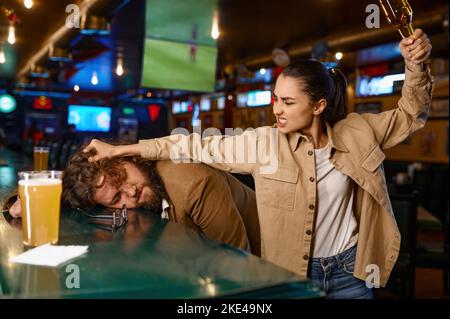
x: 207, y: 200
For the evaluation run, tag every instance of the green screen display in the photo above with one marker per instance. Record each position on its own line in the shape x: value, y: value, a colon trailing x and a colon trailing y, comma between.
x: 128, y: 111
x: 179, y: 52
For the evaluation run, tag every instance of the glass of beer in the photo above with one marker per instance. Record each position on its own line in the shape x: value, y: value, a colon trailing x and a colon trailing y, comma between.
x: 399, y: 14
x: 40, y: 154
x: 40, y: 196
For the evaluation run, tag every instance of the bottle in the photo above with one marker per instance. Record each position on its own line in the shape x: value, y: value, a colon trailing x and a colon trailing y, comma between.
x: 399, y: 14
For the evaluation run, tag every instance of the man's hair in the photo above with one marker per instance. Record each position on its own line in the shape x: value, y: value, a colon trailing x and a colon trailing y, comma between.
x: 81, y: 177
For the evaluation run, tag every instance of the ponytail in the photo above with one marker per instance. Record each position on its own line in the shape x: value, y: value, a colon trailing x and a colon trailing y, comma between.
x: 337, y: 103
x: 321, y: 83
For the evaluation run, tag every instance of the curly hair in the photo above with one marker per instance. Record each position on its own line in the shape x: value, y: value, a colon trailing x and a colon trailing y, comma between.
x: 81, y: 177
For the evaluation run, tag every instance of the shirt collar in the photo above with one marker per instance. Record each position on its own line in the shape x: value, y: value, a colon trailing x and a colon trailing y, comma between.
x: 164, y: 206
x: 333, y: 140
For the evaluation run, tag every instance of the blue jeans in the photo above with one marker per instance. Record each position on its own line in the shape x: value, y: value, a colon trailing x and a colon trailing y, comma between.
x: 334, y: 275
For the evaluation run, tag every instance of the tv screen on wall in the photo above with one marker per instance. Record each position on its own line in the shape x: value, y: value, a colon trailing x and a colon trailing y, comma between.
x: 378, y: 85
x: 90, y: 118
x: 259, y: 98
x: 180, y: 53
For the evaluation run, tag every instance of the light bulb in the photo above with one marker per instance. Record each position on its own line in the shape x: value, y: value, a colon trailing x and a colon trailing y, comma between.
x: 11, y: 35
x: 262, y: 71
x: 215, y: 33
x: 94, y: 79
x: 339, y: 55
x: 28, y: 4
x: 215, y: 26
x: 76, y: 88
x: 119, y: 68
x: 2, y: 56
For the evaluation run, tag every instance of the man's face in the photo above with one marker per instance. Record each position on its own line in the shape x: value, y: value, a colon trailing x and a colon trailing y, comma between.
x: 134, y: 192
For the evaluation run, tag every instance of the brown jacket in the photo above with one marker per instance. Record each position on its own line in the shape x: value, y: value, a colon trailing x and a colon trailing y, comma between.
x: 212, y: 202
x: 287, y: 195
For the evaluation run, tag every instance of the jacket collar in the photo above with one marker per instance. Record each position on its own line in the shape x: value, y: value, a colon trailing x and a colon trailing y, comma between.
x: 335, y: 142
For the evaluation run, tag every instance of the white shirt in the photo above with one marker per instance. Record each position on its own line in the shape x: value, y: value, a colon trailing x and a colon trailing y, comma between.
x: 335, y: 228
x: 164, y: 207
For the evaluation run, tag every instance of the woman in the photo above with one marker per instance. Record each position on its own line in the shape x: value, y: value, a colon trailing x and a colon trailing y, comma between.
x: 324, y: 210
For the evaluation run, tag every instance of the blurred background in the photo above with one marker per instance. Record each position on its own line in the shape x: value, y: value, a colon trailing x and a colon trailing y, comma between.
x: 123, y: 70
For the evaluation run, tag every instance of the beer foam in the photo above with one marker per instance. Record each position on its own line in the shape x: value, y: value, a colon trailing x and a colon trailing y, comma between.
x: 40, y: 182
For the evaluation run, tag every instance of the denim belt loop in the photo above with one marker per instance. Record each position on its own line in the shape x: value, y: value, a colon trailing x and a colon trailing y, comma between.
x: 339, y: 261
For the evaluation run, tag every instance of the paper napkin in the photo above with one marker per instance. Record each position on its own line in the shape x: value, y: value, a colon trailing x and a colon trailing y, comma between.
x: 49, y: 255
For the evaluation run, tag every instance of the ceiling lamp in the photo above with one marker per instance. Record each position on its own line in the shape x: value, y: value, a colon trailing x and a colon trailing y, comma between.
x: 94, y: 25
x: 2, y: 55
x: 119, y: 67
x: 338, y: 55
x: 11, y: 34
x: 94, y: 79
x: 13, y: 21
x: 215, y: 26
x: 28, y: 4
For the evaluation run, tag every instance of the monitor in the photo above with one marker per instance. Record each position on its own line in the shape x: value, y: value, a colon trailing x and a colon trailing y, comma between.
x: 90, y: 118
x: 205, y: 104
x: 179, y: 52
x: 241, y: 100
x: 378, y: 85
x: 221, y: 103
x: 259, y: 98
x: 181, y: 107
x: 176, y: 107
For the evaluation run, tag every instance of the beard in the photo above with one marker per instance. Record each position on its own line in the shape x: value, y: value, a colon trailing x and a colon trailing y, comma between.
x: 152, y: 201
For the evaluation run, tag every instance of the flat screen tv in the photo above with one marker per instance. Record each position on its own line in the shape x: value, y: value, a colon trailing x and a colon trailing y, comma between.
x: 205, y: 104
x: 241, y: 99
x: 259, y: 98
x: 221, y: 103
x: 179, y: 52
x: 179, y: 107
x: 90, y: 118
x: 378, y: 85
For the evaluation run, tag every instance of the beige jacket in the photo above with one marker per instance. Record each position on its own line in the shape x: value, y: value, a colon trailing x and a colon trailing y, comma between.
x: 287, y: 196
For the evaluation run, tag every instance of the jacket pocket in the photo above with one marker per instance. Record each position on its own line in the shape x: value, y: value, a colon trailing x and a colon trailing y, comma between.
x: 278, y: 189
x: 373, y: 159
